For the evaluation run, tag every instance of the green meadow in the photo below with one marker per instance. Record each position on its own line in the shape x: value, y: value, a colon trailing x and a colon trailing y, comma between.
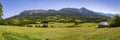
x: 86, y: 31
x: 59, y: 20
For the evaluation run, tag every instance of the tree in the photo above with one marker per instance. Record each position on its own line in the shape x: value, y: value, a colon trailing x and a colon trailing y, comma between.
x: 45, y: 24
x: 115, y: 21
x: 1, y: 11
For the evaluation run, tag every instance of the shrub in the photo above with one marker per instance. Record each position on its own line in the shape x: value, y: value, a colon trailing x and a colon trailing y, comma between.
x: 29, y: 26
x: 45, y: 25
x: 37, y: 26
x: 115, y: 21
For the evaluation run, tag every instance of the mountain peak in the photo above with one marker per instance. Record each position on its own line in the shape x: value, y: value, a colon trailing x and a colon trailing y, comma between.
x: 68, y: 9
x: 83, y: 9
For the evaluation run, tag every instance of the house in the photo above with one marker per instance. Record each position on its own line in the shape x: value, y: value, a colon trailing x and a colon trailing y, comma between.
x: 103, y: 24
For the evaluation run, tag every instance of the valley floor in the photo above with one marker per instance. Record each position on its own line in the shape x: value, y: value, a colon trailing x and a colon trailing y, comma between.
x: 81, y: 33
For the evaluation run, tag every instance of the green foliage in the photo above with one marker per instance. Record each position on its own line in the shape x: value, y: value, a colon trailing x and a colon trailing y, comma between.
x: 78, y: 22
x: 29, y: 26
x: 38, y: 26
x: 45, y: 26
x: 21, y: 21
x: 1, y: 11
x: 115, y: 21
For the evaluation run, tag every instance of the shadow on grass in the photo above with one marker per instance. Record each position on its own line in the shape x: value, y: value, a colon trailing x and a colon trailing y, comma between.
x: 17, y: 36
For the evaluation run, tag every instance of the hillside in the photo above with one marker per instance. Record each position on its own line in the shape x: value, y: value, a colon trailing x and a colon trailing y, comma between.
x: 82, y: 12
x: 64, y: 15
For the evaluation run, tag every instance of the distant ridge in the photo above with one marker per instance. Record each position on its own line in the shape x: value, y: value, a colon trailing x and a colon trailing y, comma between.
x: 62, y: 15
x: 65, y: 11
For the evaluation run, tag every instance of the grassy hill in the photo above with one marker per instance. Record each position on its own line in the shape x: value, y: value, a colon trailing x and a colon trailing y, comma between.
x: 81, y: 33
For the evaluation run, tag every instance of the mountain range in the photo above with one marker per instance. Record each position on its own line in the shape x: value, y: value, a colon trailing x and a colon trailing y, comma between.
x: 61, y: 15
x: 65, y: 12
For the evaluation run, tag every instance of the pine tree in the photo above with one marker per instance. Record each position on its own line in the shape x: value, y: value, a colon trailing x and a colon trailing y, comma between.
x: 1, y: 12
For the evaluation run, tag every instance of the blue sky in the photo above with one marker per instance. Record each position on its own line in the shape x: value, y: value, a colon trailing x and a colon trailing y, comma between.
x: 14, y: 7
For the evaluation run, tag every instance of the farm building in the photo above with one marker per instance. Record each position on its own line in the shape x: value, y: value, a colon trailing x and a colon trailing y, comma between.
x: 103, y: 24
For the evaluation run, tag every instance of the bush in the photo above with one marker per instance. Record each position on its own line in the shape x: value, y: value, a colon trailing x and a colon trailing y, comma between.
x: 29, y: 26
x: 115, y: 21
x: 37, y: 26
x: 45, y: 25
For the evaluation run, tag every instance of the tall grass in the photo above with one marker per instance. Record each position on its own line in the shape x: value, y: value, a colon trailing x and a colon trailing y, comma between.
x: 79, y: 33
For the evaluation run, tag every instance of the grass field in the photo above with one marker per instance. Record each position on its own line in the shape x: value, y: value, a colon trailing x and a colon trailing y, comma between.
x: 79, y: 33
